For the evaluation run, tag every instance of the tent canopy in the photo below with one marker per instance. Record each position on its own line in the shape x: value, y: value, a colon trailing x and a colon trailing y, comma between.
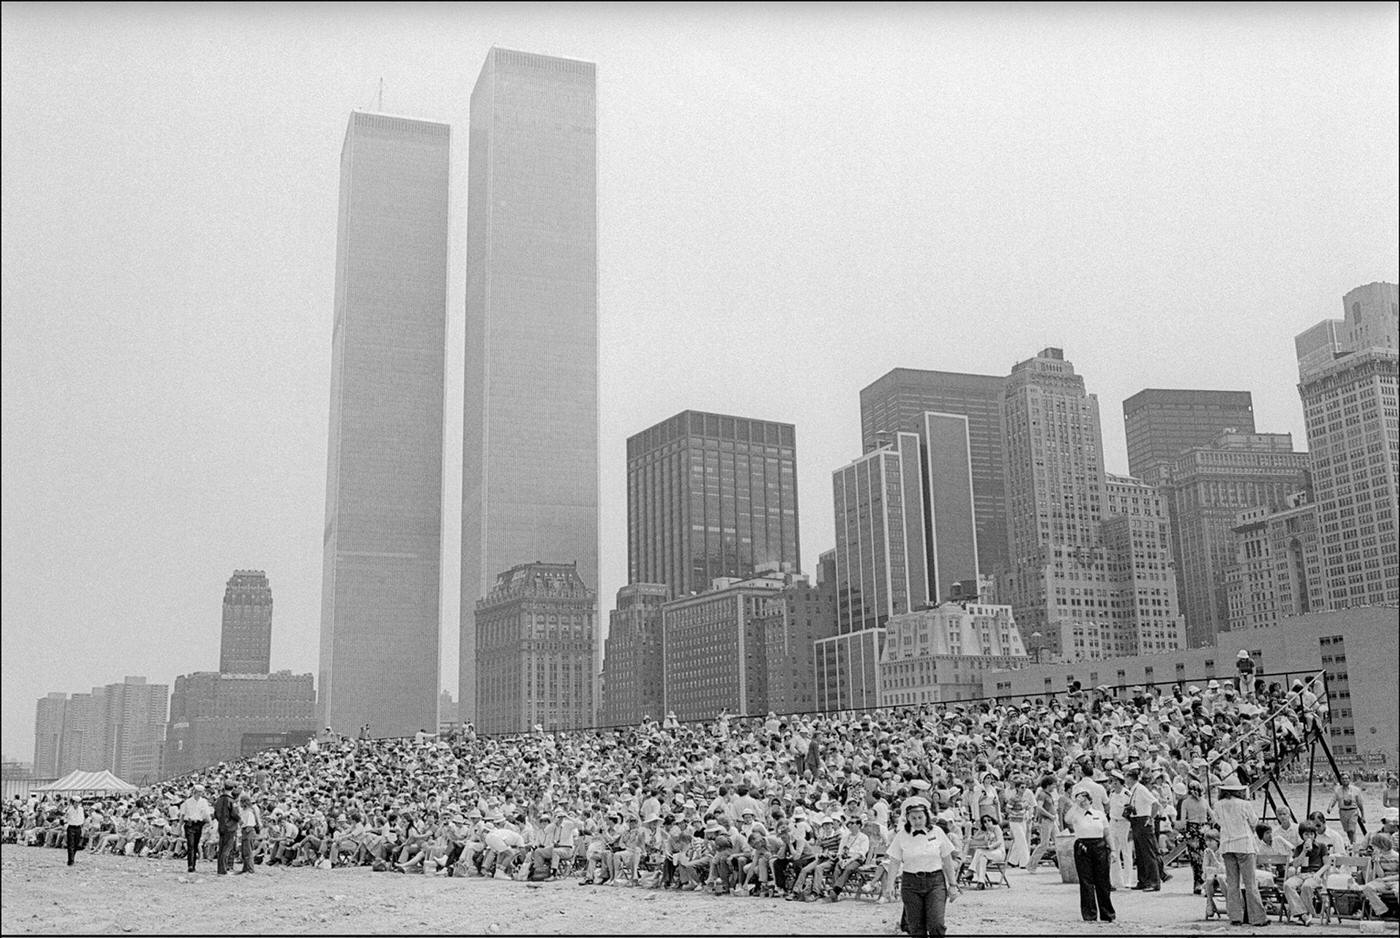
x: 79, y: 781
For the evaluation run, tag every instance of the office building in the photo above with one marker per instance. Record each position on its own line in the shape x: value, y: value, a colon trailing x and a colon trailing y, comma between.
x: 383, y: 533
x: 941, y: 654
x: 1162, y: 423
x: 1348, y: 385
x: 211, y: 713
x: 882, y: 560
x: 714, y: 646
x: 1355, y: 647
x: 1205, y: 489
x: 898, y: 401
x: 632, y: 665
x: 535, y: 658
x: 245, y: 644
x: 48, y: 735
x: 846, y: 669
x: 1277, y: 573
x: 710, y: 496
x: 530, y: 418
x: 950, y: 523
x: 1075, y: 570
x: 791, y: 622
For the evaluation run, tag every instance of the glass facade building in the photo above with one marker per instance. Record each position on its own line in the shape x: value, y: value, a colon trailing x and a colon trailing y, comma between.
x: 898, y: 401
x: 383, y: 535
x: 708, y: 496
x: 1163, y: 423
x: 530, y: 415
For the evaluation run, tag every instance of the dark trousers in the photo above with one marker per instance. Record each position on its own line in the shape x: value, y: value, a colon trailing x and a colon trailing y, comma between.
x: 193, y: 831
x: 925, y: 897
x: 246, y: 842
x: 1145, y: 856
x: 228, y: 843
x: 1091, y: 863
x: 74, y: 840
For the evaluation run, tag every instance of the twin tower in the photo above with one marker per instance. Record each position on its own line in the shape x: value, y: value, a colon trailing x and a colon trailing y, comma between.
x: 530, y: 421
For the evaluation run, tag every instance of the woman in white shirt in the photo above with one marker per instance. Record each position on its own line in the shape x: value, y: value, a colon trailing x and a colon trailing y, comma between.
x: 1093, y: 841
x: 925, y: 855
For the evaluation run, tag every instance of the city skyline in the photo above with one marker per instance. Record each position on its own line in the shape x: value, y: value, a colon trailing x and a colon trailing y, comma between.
x: 120, y: 414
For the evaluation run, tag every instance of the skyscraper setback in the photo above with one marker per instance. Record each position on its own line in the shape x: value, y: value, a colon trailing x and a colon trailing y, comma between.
x: 710, y: 495
x: 245, y: 641
x: 381, y: 567
x: 530, y: 417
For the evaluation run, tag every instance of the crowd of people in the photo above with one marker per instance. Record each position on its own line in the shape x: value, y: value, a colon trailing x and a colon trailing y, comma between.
x: 802, y: 807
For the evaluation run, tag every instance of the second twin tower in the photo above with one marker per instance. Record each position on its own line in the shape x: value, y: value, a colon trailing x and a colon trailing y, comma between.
x: 530, y: 420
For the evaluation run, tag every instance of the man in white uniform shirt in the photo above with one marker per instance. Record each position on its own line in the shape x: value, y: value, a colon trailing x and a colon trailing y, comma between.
x: 195, y: 812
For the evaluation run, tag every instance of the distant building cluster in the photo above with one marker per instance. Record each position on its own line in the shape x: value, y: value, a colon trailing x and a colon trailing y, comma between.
x: 980, y: 541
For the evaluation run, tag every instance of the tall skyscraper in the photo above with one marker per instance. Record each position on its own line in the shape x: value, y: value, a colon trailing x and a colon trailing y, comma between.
x: 883, y: 566
x: 383, y: 536
x: 1162, y: 423
x: 537, y: 650
x: 48, y: 735
x: 1071, y: 574
x: 898, y: 401
x: 708, y: 496
x: 1205, y: 488
x: 1347, y: 380
x: 245, y: 643
x: 950, y: 520
x: 530, y: 419
x: 1277, y: 573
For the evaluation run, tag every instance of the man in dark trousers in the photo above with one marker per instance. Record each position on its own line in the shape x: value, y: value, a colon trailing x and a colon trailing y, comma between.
x: 226, y: 816
x: 1143, y: 807
x: 195, y: 813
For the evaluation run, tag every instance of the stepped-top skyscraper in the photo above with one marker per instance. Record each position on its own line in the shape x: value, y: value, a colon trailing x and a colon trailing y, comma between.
x: 530, y: 420
x: 383, y: 534
x: 245, y: 642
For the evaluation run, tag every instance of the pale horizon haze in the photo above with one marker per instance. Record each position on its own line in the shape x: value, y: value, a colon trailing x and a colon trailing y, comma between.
x: 791, y: 202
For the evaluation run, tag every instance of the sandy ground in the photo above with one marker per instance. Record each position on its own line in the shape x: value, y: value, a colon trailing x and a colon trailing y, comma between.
x: 39, y: 894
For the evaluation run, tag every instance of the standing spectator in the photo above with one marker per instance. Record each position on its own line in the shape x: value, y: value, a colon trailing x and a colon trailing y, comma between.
x: 1043, y: 820
x: 1238, y: 848
x: 1142, y: 810
x: 1092, y: 846
x: 1019, y: 805
x: 1346, y: 798
x: 924, y: 854
x: 1192, y: 816
x: 226, y: 813
x: 73, y: 824
x: 1244, y: 665
x: 249, y: 821
x: 195, y: 812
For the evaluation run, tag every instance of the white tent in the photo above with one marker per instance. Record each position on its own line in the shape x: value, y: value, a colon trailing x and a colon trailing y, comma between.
x: 79, y: 782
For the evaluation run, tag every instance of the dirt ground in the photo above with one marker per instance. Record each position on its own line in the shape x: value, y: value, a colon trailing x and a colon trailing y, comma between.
x: 39, y: 894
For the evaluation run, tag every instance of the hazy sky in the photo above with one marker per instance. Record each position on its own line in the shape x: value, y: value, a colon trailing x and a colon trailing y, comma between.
x: 791, y: 201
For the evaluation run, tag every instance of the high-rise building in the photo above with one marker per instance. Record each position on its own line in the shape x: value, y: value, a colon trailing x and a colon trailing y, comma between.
x: 211, y: 712
x: 846, y: 669
x: 530, y: 418
x: 950, y: 523
x: 135, y: 725
x: 942, y: 654
x: 245, y: 643
x: 882, y: 559
x: 1277, y: 571
x: 1348, y: 385
x: 714, y: 646
x: 898, y: 401
x: 86, y: 740
x: 536, y: 655
x: 383, y: 535
x: 632, y: 666
x: 48, y: 735
x: 1205, y: 488
x: 791, y: 622
x: 1070, y: 572
x: 710, y: 496
x: 1162, y: 423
